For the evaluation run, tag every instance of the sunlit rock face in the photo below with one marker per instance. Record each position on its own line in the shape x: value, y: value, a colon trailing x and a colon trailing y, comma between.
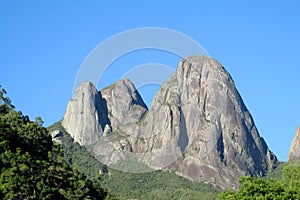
x: 197, y: 125
x: 82, y: 117
x: 90, y: 112
x: 199, y: 113
x: 294, y: 153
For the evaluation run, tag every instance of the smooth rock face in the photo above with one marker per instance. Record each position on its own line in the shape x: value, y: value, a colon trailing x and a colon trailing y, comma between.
x: 82, y: 116
x: 197, y: 125
x: 199, y: 112
x: 294, y: 153
x: 124, y: 104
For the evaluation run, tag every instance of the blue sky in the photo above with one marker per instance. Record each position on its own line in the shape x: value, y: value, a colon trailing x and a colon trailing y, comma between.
x: 43, y: 44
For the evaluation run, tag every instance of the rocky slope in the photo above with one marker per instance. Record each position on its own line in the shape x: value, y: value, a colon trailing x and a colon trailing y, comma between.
x: 294, y: 153
x: 197, y: 126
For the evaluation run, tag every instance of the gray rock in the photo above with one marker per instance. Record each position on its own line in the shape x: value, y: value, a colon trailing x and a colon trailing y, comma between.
x: 124, y: 104
x: 197, y: 125
x: 107, y: 130
x: 199, y: 112
x: 82, y: 116
x: 90, y: 112
x: 294, y: 153
x: 57, y: 136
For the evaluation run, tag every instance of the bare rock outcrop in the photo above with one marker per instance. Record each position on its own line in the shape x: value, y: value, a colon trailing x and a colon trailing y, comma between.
x: 294, y: 153
x: 56, y: 136
x: 197, y: 125
x: 124, y: 104
x: 91, y: 113
x: 82, y: 116
x: 199, y: 113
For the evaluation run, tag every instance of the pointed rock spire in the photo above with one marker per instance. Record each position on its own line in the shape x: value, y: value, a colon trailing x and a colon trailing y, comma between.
x: 81, y: 118
x: 294, y: 153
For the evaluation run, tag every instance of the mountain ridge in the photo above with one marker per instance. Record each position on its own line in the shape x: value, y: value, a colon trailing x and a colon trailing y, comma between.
x: 197, y: 126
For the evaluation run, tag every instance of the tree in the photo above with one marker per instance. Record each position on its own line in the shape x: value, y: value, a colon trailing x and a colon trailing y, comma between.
x: 39, y: 121
x: 258, y: 188
x: 32, y: 166
x: 4, y: 99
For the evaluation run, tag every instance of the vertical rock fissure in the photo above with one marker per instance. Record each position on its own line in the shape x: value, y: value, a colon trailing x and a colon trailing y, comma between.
x: 102, y: 110
x: 220, y: 146
x: 183, y: 139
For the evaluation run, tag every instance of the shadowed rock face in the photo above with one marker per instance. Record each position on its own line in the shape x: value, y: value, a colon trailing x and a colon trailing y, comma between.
x: 90, y: 112
x: 197, y: 125
x: 294, y: 153
x: 124, y: 104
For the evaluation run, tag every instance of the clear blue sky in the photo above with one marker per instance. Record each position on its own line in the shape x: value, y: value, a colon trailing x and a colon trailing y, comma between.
x: 43, y: 43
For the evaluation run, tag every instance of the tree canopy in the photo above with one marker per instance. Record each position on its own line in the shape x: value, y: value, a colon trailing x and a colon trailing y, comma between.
x: 288, y: 187
x: 31, y: 165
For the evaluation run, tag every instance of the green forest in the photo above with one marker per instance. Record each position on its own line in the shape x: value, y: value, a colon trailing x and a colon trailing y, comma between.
x: 34, y: 167
x: 151, y: 185
x: 284, y: 185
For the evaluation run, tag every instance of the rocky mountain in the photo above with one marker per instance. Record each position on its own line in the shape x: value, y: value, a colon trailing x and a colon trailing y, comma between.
x: 197, y: 126
x: 294, y: 153
x: 205, y: 118
x: 91, y: 114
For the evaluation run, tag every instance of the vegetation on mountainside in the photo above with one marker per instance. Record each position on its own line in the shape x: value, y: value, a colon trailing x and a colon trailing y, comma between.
x: 78, y: 156
x: 151, y: 185
x: 156, y: 185
x: 31, y: 166
x: 284, y: 185
x: 277, y: 172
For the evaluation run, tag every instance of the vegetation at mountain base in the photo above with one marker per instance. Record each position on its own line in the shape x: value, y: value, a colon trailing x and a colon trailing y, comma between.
x: 277, y: 172
x: 123, y: 185
x: 32, y: 166
x: 78, y: 156
x: 156, y: 185
x: 284, y: 185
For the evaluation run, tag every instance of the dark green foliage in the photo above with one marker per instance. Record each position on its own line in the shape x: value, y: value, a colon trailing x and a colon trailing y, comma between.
x: 78, y: 156
x: 31, y: 166
x: 153, y: 185
x: 287, y: 187
x: 4, y: 100
x: 277, y: 172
